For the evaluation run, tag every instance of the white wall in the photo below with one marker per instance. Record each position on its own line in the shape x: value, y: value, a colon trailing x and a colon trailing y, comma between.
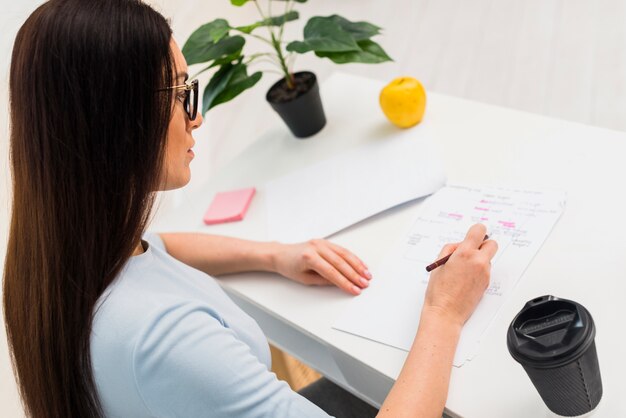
x: 562, y: 58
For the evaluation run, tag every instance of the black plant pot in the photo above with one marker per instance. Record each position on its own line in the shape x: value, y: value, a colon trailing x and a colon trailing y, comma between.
x: 300, y: 107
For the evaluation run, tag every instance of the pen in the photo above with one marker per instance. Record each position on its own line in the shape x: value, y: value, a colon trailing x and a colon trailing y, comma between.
x: 443, y: 260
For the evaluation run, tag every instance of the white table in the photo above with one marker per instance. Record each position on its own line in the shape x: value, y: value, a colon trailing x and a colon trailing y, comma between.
x: 582, y: 259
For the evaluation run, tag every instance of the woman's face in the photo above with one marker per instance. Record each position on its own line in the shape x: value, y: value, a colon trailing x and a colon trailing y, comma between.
x: 178, y: 153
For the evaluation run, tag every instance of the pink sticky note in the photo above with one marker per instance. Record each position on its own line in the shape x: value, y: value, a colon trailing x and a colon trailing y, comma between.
x: 229, y: 206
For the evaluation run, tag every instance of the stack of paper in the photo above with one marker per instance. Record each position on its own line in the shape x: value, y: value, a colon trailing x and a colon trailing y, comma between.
x: 519, y: 220
x: 328, y: 196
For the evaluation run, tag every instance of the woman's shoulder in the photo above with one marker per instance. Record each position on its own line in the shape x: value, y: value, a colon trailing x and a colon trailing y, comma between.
x: 146, y: 291
x: 152, y: 282
x: 150, y: 286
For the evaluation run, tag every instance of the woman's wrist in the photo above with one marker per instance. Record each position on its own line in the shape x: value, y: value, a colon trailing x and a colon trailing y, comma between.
x: 267, y: 255
x: 434, y: 316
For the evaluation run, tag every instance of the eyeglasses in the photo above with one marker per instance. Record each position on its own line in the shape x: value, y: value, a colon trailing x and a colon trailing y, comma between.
x: 190, y: 100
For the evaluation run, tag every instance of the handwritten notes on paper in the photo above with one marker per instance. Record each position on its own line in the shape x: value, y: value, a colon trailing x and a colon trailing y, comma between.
x: 326, y: 197
x: 519, y: 220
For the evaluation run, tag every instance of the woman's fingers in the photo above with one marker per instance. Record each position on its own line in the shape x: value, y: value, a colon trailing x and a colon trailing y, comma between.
x: 447, y: 249
x: 330, y: 273
x: 311, y: 278
x: 475, y: 236
x: 342, y: 266
x: 352, y: 260
x: 489, y: 248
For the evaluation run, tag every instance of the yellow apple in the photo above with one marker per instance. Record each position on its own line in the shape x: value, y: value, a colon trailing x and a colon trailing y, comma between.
x: 403, y: 101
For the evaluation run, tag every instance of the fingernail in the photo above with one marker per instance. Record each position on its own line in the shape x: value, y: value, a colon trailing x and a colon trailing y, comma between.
x: 364, y: 281
x: 368, y: 274
x: 356, y: 289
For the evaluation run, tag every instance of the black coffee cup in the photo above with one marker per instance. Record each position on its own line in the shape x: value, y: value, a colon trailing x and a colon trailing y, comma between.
x: 553, y: 339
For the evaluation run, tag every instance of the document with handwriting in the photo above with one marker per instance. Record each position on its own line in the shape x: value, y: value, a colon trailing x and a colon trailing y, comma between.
x: 519, y: 220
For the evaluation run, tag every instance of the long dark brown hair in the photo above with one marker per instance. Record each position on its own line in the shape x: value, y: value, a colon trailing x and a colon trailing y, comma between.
x: 88, y: 132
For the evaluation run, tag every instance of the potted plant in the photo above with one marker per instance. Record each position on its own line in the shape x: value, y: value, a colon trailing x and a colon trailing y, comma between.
x: 295, y: 96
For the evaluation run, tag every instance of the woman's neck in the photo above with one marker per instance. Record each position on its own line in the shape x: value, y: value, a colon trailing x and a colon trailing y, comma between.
x: 139, y: 249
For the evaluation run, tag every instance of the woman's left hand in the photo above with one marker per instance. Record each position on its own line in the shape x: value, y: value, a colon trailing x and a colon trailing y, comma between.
x: 320, y: 262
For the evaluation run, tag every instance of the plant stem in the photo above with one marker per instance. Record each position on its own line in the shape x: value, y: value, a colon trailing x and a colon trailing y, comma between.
x: 270, y: 59
x: 260, y: 38
x: 283, y: 65
x: 258, y: 7
x: 276, y: 44
x: 291, y: 59
x: 280, y: 33
x: 260, y: 54
x: 264, y: 17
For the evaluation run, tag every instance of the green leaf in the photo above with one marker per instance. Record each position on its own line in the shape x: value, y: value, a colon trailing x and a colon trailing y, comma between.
x: 206, y: 34
x: 218, y: 29
x: 248, y: 28
x: 281, y: 20
x: 323, y: 34
x: 238, y: 83
x: 359, y: 30
x: 195, y: 51
x: 216, y: 85
x: 371, y: 53
x: 270, y: 21
x: 227, y: 59
x: 227, y: 83
x: 299, y: 47
x: 221, y: 61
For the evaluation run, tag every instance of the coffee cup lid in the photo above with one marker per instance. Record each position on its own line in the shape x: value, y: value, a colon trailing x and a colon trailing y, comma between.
x: 550, y: 332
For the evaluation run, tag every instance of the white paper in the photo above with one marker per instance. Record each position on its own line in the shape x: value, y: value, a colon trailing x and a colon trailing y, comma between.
x: 326, y: 197
x: 519, y: 220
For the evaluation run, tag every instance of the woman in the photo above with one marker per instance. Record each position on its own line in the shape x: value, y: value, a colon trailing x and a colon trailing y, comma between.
x: 104, y: 323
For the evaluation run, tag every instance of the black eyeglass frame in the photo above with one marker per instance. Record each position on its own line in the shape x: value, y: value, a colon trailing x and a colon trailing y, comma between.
x: 192, y: 86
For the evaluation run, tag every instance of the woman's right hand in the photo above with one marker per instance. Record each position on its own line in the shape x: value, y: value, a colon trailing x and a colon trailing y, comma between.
x: 455, y: 288
x: 453, y: 292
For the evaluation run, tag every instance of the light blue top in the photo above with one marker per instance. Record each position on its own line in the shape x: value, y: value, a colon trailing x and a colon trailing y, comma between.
x: 168, y: 342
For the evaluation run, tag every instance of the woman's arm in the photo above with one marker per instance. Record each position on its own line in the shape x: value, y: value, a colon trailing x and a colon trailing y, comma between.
x: 453, y: 292
x: 214, y: 254
x: 316, y: 262
x: 422, y: 386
